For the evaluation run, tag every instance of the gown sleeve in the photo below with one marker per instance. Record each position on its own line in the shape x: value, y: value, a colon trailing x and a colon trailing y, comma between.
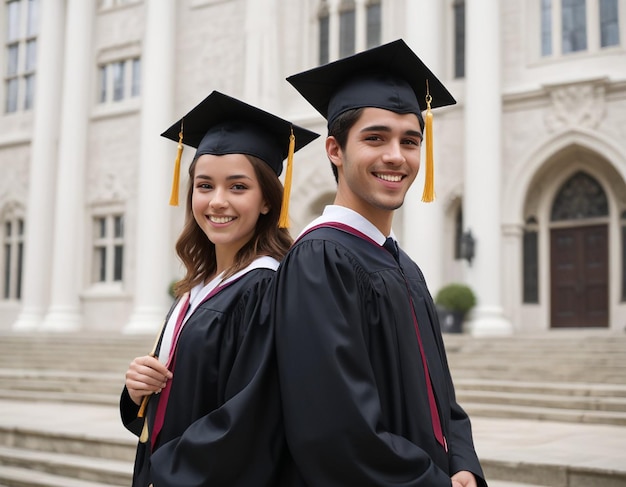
x: 128, y: 413
x: 330, y: 400
x: 238, y: 444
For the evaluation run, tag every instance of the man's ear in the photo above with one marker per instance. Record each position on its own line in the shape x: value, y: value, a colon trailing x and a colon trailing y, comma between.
x: 333, y: 151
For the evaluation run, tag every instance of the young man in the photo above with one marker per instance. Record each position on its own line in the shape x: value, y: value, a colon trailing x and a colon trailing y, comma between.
x: 367, y: 394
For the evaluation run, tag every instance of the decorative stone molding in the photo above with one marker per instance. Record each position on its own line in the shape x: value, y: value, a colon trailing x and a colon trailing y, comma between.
x: 576, y: 105
x: 107, y: 185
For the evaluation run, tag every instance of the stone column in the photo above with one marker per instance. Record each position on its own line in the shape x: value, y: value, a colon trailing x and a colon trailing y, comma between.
x: 483, y: 153
x: 153, y: 250
x: 333, y: 30
x: 423, y: 222
x: 64, y: 313
x: 360, y: 26
x: 263, y: 82
x: 40, y: 210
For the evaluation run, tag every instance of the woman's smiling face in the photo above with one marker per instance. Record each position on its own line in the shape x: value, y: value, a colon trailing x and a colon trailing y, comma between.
x: 227, y: 200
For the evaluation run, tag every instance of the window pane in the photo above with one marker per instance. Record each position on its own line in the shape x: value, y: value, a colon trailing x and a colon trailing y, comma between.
x: 581, y: 196
x: 119, y: 226
x: 118, y: 81
x: 8, y: 228
x: 118, y: 262
x: 324, y: 40
x: 13, y: 20
x: 458, y: 233
x: 101, y: 227
x: 20, y: 227
x: 574, y: 22
x: 12, y: 59
x: 374, y: 15
x: 546, y: 27
x: 20, y: 257
x: 33, y: 18
x: 459, y: 39
x: 609, y: 23
x: 11, y: 101
x: 102, y: 263
x: 31, y: 55
x: 136, y: 82
x: 103, y: 84
x: 7, y: 271
x: 29, y: 91
x: 531, y: 268
x: 346, y: 33
x: 624, y: 263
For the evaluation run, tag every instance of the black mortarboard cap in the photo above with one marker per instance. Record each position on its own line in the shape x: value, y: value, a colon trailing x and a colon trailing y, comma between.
x: 221, y: 124
x: 390, y: 76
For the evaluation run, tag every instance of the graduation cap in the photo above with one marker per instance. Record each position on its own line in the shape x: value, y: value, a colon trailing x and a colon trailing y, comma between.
x: 221, y: 124
x: 390, y: 76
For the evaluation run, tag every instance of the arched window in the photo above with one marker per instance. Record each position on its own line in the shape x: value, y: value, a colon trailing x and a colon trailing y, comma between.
x: 580, y: 197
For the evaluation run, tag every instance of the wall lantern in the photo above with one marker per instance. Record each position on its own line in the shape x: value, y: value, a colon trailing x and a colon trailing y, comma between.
x: 468, y: 245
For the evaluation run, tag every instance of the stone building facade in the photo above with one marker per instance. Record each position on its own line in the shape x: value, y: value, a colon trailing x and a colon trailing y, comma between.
x: 531, y: 161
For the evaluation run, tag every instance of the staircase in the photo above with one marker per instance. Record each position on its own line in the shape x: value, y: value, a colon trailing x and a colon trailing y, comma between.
x: 567, y: 377
x: 37, y: 373
x: 560, y: 376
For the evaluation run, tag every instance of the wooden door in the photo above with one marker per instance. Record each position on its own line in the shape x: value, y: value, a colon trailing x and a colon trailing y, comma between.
x: 579, y: 276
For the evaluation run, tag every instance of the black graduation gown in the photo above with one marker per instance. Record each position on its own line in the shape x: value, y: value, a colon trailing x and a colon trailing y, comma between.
x: 222, y: 422
x: 353, y: 387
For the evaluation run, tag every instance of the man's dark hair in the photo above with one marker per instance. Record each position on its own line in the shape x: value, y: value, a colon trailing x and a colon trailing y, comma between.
x: 341, y: 127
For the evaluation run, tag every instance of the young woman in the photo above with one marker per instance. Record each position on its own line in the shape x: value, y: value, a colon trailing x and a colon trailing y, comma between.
x: 213, y: 408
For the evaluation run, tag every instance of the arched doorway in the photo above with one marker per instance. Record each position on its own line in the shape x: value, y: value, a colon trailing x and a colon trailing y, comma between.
x: 579, y: 250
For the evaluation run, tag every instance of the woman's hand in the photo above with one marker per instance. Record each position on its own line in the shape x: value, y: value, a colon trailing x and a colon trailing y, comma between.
x: 145, y: 376
x: 463, y: 479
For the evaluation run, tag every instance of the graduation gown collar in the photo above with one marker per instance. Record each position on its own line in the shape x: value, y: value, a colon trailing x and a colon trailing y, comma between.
x: 349, y: 217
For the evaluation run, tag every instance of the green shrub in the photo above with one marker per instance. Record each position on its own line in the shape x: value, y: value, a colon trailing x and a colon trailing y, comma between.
x: 456, y: 297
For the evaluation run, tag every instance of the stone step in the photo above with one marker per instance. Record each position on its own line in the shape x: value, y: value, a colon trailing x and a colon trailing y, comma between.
x: 544, y: 413
x: 61, y: 380
x: 74, y: 397
x: 609, y: 376
x: 23, y: 477
x: 552, y: 475
x: 575, y: 389
x: 108, y: 472
x: 607, y: 404
x: 555, y: 454
x: 68, y: 443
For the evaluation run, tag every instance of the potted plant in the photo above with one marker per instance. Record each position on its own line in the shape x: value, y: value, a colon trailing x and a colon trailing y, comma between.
x: 454, y: 301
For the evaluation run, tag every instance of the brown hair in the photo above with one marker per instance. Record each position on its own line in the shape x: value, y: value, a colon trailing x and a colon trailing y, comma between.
x: 197, y: 252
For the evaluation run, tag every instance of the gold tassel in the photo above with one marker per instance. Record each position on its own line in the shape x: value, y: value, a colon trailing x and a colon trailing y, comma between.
x: 429, y: 178
x: 283, y: 221
x: 176, y: 179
